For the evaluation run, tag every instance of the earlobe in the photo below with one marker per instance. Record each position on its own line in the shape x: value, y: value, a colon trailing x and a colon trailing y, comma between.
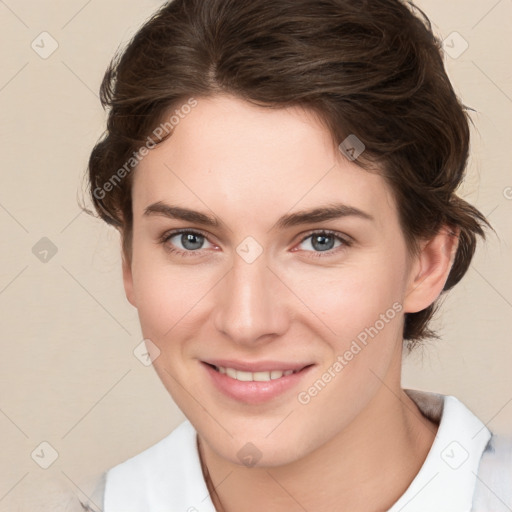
x: 430, y: 270
x: 128, y: 280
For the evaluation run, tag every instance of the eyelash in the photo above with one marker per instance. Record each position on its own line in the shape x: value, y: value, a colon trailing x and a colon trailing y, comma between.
x: 345, y: 242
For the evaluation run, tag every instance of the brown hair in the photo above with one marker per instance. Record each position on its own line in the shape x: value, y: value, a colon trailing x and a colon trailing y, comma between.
x: 372, y: 68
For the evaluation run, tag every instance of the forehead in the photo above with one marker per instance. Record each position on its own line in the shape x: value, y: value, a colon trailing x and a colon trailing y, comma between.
x: 231, y: 155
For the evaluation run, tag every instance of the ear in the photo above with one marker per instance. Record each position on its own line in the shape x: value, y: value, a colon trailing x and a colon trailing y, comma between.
x: 430, y: 269
x: 128, y: 280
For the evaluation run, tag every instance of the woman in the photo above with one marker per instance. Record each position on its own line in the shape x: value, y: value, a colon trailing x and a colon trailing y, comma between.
x: 283, y: 177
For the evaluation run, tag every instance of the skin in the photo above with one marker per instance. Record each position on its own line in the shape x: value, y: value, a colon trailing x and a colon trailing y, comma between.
x: 357, y: 444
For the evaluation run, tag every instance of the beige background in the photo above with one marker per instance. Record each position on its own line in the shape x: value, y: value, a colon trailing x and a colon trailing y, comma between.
x: 68, y: 375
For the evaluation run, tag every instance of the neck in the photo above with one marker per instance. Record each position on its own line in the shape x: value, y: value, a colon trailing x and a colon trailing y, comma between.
x: 366, y: 467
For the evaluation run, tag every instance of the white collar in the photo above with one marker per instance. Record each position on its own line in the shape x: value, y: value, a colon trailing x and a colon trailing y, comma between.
x: 168, y: 476
x: 446, y: 481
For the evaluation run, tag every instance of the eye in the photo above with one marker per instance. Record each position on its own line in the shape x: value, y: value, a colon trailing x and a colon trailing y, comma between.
x: 185, y: 242
x: 324, y: 242
x: 188, y: 242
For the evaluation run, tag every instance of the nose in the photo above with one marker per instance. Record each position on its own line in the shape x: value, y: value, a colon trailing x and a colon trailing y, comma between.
x: 250, y: 306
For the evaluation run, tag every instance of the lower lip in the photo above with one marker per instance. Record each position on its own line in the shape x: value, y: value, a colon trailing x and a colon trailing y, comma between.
x: 254, y: 392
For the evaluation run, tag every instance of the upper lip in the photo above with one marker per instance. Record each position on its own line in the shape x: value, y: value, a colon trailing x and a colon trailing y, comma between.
x: 256, y: 366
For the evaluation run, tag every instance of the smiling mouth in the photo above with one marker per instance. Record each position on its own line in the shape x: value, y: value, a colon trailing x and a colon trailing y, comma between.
x: 261, y: 376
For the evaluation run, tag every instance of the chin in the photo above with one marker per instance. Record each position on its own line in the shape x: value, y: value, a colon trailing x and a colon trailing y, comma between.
x: 258, y: 451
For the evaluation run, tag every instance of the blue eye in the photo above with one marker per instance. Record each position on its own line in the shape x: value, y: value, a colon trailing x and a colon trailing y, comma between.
x: 324, y: 242
x: 184, y: 242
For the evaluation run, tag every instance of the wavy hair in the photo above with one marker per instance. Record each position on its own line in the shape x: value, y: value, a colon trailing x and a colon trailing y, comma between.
x: 373, y: 68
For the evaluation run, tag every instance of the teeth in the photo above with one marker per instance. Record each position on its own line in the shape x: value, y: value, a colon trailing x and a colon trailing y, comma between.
x: 254, y: 376
x: 244, y: 376
x: 230, y: 372
x: 261, y: 376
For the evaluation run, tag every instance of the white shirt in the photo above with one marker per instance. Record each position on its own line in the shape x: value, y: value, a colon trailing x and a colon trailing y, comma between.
x: 167, y: 477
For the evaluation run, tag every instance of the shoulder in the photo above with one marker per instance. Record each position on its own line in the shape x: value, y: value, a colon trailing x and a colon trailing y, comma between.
x: 169, y: 472
x: 179, y: 444
x: 493, y: 489
x: 63, y: 495
x: 181, y: 441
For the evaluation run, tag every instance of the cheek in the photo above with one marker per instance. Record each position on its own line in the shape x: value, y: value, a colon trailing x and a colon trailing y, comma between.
x: 353, y: 297
x: 168, y: 296
x: 361, y: 309
x: 171, y: 304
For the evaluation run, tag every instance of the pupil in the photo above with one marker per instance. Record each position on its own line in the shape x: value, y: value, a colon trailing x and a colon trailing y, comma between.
x: 191, y: 241
x: 323, y: 242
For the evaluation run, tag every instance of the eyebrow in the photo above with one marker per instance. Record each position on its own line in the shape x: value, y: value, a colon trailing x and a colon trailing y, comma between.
x: 323, y: 213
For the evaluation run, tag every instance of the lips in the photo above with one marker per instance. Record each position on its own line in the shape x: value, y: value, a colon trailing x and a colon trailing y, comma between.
x: 256, y: 366
x: 262, y: 376
x: 255, y: 382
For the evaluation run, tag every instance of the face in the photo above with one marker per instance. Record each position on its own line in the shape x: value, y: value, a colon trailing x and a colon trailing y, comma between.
x: 271, y: 273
